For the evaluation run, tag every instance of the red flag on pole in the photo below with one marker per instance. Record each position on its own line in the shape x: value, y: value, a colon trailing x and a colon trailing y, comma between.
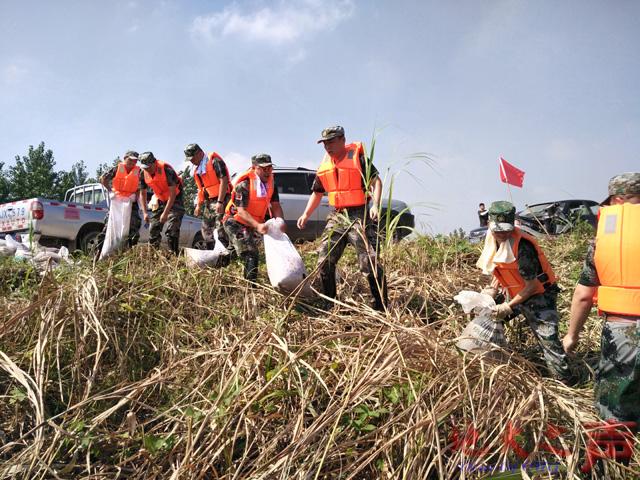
x: 510, y: 174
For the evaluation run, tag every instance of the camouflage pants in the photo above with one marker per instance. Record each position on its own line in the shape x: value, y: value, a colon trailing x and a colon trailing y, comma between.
x: 541, y: 313
x: 134, y: 226
x: 242, y: 237
x: 343, y: 228
x: 212, y: 220
x: 617, y: 385
x: 173, y: 223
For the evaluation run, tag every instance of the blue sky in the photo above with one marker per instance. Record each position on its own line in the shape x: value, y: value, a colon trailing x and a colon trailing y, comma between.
x: 551, y: 86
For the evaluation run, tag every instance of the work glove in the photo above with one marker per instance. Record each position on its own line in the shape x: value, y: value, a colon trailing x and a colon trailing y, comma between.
x: 491, y: 291
x: 503, y: 310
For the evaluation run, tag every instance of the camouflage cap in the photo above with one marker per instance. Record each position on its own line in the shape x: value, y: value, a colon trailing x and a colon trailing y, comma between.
x: 191, y: 150
x: 623, y: 184
x: 131, y: 154
x: 502, y: 215
x: 331, y: 132
x: 261, y: 160
x: 146, y: 160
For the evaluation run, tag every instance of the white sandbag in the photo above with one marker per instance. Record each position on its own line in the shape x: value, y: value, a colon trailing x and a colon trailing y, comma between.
x: 480, y: 303
x: 205, y: 258
x: 483, y: 335
x: 14, y: 245
x: 117, y: 225
x: 285, y: 267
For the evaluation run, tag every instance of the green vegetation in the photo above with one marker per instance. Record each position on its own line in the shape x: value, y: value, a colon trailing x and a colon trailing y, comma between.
x: 142, y: 368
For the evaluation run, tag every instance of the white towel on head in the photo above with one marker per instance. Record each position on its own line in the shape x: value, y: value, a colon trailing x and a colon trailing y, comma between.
x: 492, y: 255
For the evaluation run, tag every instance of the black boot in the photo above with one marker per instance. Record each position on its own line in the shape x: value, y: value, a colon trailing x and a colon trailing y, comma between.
x: 329, y: 287
x: 251, y: 268
x: 378, y: 285
x: 174, y: 245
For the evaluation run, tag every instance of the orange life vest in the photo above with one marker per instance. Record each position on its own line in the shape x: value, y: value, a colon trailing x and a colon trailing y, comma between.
x: 258, y: 206
x: 508, y: 275
x: 159, y: 182
x: 126, y: 184
x: 209, y: 182
x: 343, y: 181
x: 617, y: 259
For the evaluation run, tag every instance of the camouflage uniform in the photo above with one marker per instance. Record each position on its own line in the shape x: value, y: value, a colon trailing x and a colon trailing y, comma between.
x: 351, y: 225
x: 134, y: 223
x: 243, y: 237
x: 175, y: 214
x: 211, y: 220
x: 541, y: 312
x: 540, y: 309
x: 617, y: 383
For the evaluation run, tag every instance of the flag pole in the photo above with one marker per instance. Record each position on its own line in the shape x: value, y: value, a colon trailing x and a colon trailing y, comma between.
x: 510, y: 196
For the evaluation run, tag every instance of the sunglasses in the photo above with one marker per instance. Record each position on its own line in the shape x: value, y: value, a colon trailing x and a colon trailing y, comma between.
x: 267, y: 169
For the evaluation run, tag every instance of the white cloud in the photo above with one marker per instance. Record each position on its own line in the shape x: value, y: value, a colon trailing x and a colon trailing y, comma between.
x: 280, y: 25
x: 14, y: 73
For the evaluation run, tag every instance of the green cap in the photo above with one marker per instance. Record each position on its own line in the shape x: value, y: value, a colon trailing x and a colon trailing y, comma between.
x: 331, y: 132
x: 146, y: 160
x: 261, y: 160
x: 502, y: 215
x: 191, y: 151
x: 623, y: 184
x: 131, y: 154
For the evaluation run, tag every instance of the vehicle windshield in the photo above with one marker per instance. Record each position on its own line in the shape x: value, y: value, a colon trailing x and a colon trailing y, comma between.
x: 535, y: 210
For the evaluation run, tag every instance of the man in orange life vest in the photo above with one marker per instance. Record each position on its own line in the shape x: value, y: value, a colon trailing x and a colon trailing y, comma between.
x: 125, y: 179
x: 612, y: 269
x: 348, y: 176
x: 214, y: 192
x: 522, y: 271
x: 167, y: 187
x: 255, y: 190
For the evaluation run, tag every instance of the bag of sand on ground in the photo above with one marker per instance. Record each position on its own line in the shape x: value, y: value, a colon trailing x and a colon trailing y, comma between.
x: 284, y: 265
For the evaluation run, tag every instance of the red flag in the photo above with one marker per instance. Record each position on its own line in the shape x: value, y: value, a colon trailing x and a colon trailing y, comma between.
x: 510, y: 174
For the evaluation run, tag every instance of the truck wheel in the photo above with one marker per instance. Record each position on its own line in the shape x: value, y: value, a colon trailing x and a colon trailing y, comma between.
x: 198, y: 242
x: 89, y: 242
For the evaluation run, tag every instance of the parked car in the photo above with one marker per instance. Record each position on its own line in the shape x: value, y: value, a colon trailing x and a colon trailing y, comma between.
x: 75, y: 222
x: 477, y: 234
x: 294, y: 188
x: 558, y: 217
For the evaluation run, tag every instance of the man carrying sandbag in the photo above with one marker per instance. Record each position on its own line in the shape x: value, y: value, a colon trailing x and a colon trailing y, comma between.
x: 167, y: 187
x: 125, y: 180
x: 521, y: 270
x: 255, y: 190
x: 214, y: 192
x: 351, y: 181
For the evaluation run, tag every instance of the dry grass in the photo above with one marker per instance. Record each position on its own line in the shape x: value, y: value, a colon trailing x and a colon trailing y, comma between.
x: 142, y: 368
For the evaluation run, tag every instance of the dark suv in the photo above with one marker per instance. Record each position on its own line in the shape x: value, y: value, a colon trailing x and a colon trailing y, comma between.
x: 558, y: 217
x: 294, y: 188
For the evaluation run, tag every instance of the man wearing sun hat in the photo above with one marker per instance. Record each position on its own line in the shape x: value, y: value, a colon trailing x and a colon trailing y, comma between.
x: 254, y: 192
x: 167, y: 187
x: 523, y: 273
x: 612, y: 269
x: 351, y: 181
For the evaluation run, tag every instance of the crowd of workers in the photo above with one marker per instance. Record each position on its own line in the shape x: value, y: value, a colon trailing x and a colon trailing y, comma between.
x: 236, y: 212
x: 523, y: 281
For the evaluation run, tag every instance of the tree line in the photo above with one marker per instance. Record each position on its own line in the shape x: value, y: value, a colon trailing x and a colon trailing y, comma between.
x: 34, y: 175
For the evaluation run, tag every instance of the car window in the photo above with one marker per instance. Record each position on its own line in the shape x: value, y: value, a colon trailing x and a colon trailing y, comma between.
x: 292, y: 183
x: 77, y: 197
x: 99, y: 197
x: 535, y: 210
